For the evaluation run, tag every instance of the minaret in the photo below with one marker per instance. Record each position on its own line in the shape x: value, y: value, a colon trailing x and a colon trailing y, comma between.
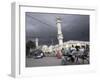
x: 60, y: 35
x: 36, y: 42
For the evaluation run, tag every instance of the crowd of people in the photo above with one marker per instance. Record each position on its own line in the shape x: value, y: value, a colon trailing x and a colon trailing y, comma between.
x: 68, y: 55
x: 75, y: 55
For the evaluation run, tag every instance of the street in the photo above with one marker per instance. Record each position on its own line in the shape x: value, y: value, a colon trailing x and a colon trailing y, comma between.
x: 45, y: 61
x: 48, y: 61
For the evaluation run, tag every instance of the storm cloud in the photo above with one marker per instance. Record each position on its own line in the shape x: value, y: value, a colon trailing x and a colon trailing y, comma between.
x: 43, y: 26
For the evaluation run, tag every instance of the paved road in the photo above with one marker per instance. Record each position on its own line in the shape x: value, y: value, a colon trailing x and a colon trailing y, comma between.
x: 45, y: 61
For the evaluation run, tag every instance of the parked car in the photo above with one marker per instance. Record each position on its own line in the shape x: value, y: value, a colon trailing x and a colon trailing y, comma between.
x: 37, y: 54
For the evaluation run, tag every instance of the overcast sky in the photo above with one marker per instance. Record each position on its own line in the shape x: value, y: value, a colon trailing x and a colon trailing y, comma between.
x: 43, y: 26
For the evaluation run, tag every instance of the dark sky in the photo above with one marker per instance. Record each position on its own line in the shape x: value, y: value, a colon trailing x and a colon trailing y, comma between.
x: 43, y: 26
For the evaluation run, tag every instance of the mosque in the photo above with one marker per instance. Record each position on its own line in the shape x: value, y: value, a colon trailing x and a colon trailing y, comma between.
x: 61, y: 44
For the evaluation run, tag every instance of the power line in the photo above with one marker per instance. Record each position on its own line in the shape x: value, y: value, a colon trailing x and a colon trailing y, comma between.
x: 39, y: 21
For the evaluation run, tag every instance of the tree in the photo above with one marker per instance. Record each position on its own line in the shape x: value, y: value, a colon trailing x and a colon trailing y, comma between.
x: 29, y: 44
